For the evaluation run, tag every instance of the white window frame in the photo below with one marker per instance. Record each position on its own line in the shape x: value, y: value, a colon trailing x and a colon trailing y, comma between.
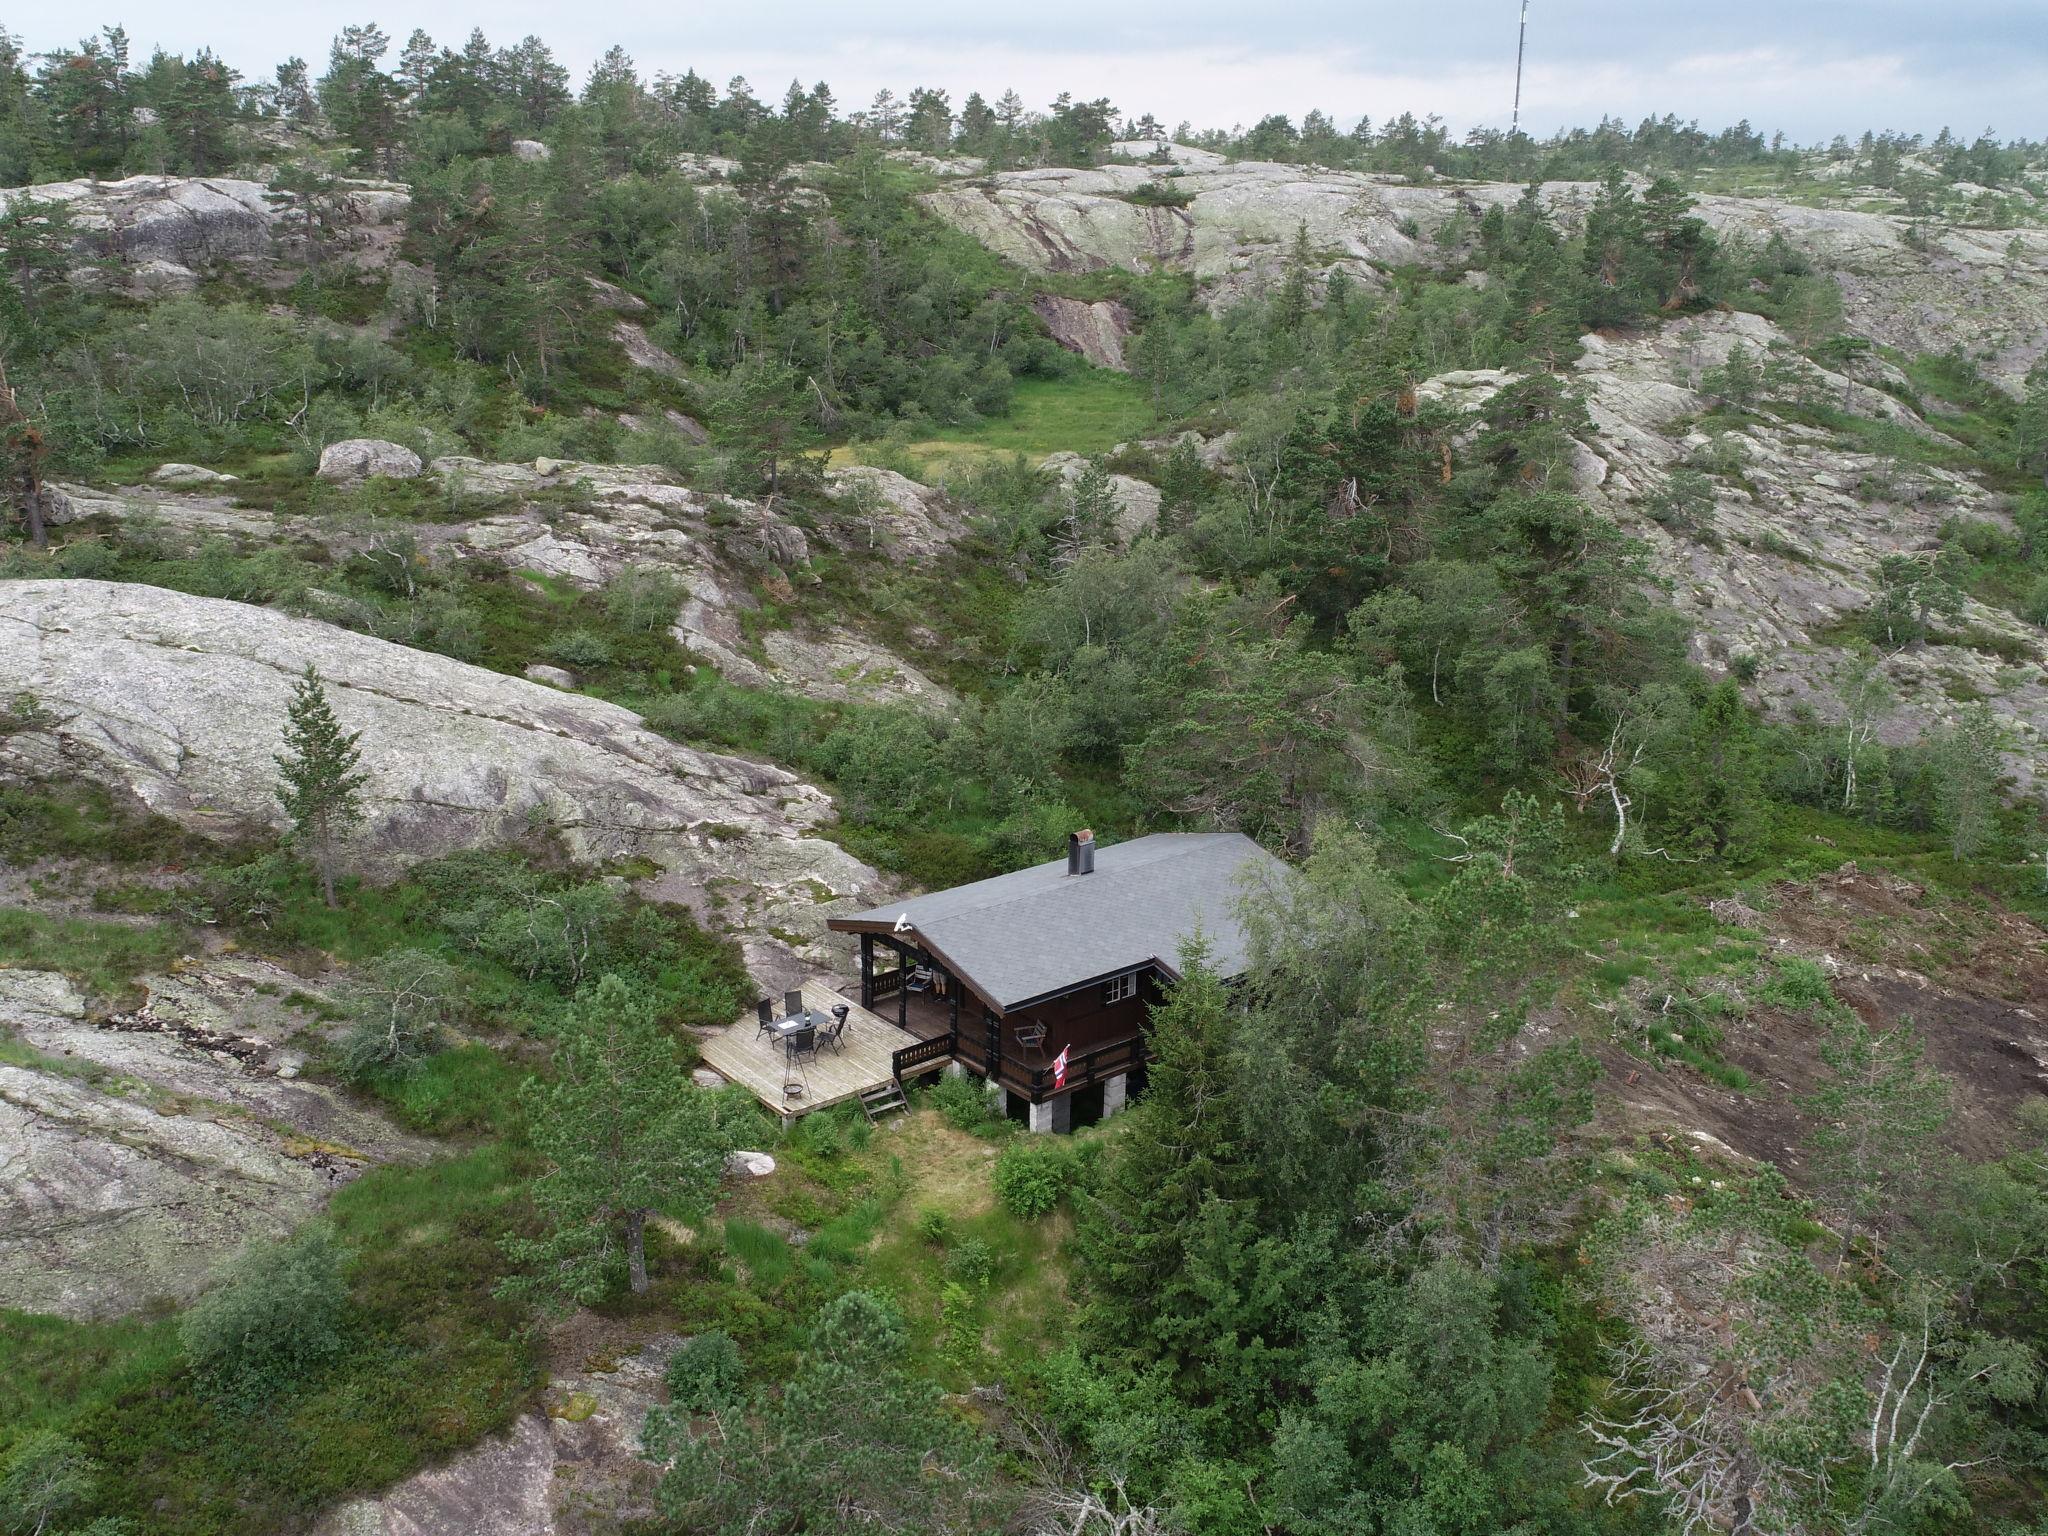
x: 1120, y: 989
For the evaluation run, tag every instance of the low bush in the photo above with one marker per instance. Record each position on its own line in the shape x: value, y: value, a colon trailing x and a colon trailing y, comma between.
x: 966, y: 1105
x: 275, y: 1321
x: 971, y: 1263
x: 705, y: 1374
x: 1031, y: 1175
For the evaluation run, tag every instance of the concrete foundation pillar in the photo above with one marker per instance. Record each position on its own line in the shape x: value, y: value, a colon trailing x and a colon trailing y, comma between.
x: 1054, y: 1115
x: 1115, y: 1093
x: 955, y: 1069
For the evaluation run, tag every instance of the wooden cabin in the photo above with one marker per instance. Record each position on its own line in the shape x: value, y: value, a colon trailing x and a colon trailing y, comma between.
x: 1004, y: 975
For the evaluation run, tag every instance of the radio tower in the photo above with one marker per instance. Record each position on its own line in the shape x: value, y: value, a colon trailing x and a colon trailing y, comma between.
x: 1521, y: 38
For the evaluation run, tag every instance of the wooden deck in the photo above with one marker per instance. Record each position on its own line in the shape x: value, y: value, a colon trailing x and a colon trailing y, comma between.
x: 743, y: 1055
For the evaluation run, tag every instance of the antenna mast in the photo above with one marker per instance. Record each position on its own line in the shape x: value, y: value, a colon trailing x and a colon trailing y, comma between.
x: 1521, y: 38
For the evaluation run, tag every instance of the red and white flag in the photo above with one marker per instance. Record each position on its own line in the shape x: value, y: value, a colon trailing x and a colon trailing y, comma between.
x: 1059, y: 1069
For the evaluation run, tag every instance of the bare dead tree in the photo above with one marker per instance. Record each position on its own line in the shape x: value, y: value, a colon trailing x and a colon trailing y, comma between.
x: 1599, y: 774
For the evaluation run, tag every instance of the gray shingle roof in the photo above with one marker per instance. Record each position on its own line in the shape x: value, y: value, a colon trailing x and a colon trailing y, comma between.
x: 1026, y: 935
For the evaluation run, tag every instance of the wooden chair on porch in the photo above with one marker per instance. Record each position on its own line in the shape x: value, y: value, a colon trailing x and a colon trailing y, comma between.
x: 1030, y: 1035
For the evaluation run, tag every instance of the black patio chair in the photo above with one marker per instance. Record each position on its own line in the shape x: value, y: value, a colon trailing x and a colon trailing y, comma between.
x: 800, y: 1043
x: 831, y: 1033
x: 764, y: 1011
x: 793, y: 1005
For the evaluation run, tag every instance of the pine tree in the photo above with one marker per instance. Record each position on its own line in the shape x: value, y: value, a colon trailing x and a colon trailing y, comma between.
x: 625, y: 1133
x: 320, y: 784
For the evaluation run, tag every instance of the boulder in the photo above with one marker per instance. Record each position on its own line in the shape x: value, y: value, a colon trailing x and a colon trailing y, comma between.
x: 749, y: 1165
x: 704, y: 1077
x: 641, y: 351
x: 158, y: 279
x: 1096, y: 331
x: 554, y: 677
x: 367, y: 458
x: 531, y: 150
x: 1137, y: 501
x: 178, y: 703
x: 188, y: 474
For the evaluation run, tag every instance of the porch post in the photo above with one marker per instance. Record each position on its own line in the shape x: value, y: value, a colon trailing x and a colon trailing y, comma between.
x: 903, y: 989
x: 1055, y: 1116
x: 1115, y: 1093
x: 867, y: 970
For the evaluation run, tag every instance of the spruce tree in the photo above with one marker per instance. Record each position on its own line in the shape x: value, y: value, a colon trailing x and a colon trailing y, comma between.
x: 1177, y: 1179
x: 319, y: 784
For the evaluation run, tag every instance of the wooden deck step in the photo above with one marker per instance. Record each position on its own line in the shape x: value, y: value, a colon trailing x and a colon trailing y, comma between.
x: 882, y: 1098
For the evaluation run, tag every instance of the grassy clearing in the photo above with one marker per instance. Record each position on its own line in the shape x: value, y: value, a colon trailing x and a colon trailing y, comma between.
x: 104, y: 958
x: 1090, y: 412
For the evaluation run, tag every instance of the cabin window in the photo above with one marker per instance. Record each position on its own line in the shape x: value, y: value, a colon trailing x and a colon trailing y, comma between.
x: 1121, y: 988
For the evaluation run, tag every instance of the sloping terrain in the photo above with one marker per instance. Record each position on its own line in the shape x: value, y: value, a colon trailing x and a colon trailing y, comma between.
x: 177, y: 701
x: 1230, y: 225
x: 1789, y: 554
x: 139, y: 1145
x: 1971, y: 980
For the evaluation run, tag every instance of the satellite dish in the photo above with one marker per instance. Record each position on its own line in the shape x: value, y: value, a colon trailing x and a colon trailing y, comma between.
x: 903, y: 922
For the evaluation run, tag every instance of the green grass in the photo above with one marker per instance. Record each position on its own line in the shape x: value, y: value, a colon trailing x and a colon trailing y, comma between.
x: 433, y: 1363
x: 104, y: 958
x: 79, y: 820
x: 1089, y: 412
x: 465, y: 1090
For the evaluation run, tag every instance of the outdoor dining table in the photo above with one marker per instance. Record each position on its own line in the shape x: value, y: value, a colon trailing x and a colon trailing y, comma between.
x: 811, y: 1018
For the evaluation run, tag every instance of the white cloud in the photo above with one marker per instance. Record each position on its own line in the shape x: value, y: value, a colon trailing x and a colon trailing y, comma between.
x: 1455, y: 60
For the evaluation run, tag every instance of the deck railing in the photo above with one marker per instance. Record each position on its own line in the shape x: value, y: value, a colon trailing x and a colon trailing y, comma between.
x: 1106, y: 1061
x: 1035, y: 1083
x: 925, y: 1052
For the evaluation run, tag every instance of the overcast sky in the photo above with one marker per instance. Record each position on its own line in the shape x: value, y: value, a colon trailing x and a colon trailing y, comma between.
x: 1811, y: 67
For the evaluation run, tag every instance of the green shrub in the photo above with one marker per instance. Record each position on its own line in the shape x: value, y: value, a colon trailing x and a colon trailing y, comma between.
x: 583, y: 649
x: 273, y: 1323
x: 972, y: 1263
x: 642, y: 599
x: 704, y: 1375
x: 965, y: 1104
x: 1796, y: 983
x: 47, y: 1476
x: 400, y: 1003
x: 1031, y: 1175
x: 935, y: 1227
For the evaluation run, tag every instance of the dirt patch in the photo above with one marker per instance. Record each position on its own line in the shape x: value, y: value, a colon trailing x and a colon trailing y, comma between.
x: 1970, y: 977
x: 949, y: 1169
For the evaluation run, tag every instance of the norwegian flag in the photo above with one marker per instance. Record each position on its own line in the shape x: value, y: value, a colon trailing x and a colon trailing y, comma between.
x: 1059, y: 1069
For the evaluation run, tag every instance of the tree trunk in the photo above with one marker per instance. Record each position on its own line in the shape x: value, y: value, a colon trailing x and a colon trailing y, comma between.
x: 325, y: 861
x: 636, y: 1249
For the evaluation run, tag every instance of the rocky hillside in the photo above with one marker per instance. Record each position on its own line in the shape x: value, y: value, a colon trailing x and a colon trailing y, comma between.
x: 177, y: 701
x: 1788, y: 554
x: 142, y: 1144
x: 1230, y: 223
